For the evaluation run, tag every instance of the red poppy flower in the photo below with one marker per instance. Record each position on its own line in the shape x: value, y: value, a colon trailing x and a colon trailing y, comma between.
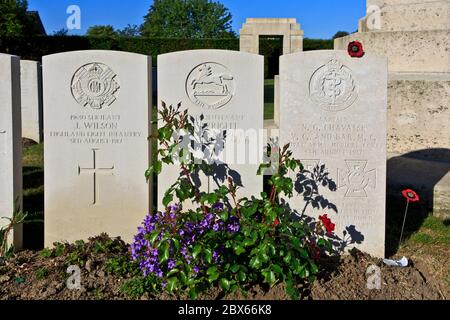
x: 329, y: 226
x: 355, y: 49
x: 276, y: 222
x: 410, y: 195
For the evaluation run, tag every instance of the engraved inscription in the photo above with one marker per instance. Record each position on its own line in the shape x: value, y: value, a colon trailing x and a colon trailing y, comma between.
x: 95, y: 85
x: 332, y: 86
x: 356, y: 179
x: 210, y: 85
x: 94, y: 171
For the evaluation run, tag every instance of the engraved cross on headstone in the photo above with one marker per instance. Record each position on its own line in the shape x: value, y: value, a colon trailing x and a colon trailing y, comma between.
x: 95, y: 171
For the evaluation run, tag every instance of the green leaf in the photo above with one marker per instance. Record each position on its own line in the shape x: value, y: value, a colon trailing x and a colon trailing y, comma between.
x: 193, y: 294
x: 242, y: 276
x: 168, y: 198
x: 196, y: 251
x: 153, y: 236
x: 255, y: 263
x: 208, y: 255
x: 213, y: 274
x: 269, y: 276
x: 164, y: 253
x: 239, y: 250
x: 172, y: 284
x: 224, y: 284
x: 183, y: 278
x: 172, y: 272
x: 234, y: 268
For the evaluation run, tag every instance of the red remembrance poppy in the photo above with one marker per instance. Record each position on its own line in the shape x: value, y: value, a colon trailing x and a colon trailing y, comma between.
x: 410, y: 195
x: 276, y: 222
x: 355, y: 49
x: 329, y: 226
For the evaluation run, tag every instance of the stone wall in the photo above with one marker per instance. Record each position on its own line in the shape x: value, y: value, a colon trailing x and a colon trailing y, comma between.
x: 409, y: 15
x: 288, y: 28
x: 408, y: 51
x: 418, y: 113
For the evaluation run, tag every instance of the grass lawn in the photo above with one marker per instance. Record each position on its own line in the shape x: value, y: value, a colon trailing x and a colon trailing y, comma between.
x: 268, y: 99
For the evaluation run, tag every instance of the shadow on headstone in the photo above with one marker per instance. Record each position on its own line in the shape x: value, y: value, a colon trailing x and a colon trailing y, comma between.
x: 421, y: 171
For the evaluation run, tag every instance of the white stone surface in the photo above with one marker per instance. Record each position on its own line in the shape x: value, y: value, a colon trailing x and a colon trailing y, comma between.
x: 32, y: 113
x: 230, y: 97
x: 97, y: 111
x: 333, y: 112
x: 10, y: 144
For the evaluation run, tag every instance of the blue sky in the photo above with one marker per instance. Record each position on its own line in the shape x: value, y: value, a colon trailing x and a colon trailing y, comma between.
x: 318, y: 18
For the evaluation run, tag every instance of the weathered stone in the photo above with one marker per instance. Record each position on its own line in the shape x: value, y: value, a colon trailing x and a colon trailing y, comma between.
x: 227, y: 88
x: 97, y: 117
x: 256, y: 27
x: 32, y: 113
x: 333, y: 113
x: 10, y: 145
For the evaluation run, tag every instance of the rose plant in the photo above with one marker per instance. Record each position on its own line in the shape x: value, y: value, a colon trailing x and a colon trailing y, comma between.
x: 225, y: 241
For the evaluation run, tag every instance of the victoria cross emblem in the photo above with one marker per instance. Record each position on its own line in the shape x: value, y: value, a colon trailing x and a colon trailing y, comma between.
x: 95, y: 85
x: 356, y: 179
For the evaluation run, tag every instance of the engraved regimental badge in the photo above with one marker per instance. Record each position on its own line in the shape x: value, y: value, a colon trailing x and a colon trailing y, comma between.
x: 95, y: 85
x: 332, y: 86
x: 210, y: 85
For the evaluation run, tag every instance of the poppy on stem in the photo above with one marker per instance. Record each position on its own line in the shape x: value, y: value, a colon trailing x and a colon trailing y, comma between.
x: 411, y: 196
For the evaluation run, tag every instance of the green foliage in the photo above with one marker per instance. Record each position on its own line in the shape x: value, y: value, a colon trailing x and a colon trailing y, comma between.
x: 102, y: 31
x: 35, y: 47
x: 15, y: 20
x: 18, y: 217
x: 188, y: 19
x: 42, y: 273
x: 317, y: 44
x: 138, y: 286
x: 226, y: 241
x: 340, y: 34
x: 121, y: 266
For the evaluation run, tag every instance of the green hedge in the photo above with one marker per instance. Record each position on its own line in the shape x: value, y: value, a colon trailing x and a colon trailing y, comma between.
x: 33, y: 48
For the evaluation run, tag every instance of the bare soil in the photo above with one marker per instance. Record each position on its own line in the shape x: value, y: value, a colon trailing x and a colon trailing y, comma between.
x: 31, y: 276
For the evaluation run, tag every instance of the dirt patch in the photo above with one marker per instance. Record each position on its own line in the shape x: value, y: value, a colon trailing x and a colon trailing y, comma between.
x: 36, y: 275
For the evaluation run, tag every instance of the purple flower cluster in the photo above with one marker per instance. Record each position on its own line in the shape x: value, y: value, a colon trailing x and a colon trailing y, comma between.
x: 187, y: 234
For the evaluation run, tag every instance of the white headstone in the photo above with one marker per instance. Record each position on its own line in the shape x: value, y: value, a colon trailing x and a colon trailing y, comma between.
x: 333, y: 112
x: 227, y: 87
x: 97, y: 107
x: 31, y: 85
x: 10, y: 144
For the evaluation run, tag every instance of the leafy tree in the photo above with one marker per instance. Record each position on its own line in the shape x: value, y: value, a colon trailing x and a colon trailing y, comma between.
x: 188, y: 19
x: 15, y: 20
x: 340, y: 34
x: 102, y: 31
x: 61, y: 32
x: 130, y: 31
